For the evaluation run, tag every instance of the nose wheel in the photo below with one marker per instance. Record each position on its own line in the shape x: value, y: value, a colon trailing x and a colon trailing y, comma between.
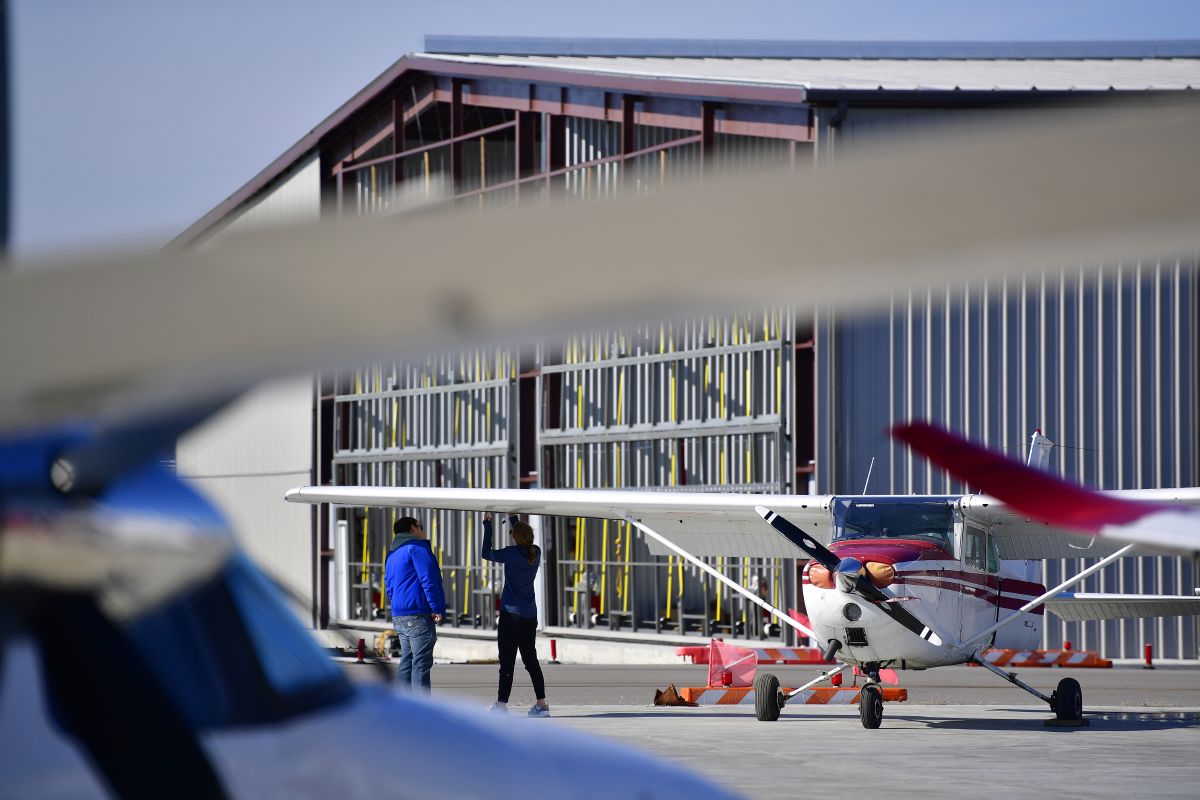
x: 870, y: 706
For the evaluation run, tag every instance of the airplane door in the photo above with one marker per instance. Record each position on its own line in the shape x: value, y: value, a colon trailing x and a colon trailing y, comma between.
x: 980, y: 584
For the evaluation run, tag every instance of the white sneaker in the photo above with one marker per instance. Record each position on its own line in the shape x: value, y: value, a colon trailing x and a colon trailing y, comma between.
x: 498, y: 708
x: 538, y: 711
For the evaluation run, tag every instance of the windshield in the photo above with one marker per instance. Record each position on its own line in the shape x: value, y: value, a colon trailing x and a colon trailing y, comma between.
x: 924, y: 518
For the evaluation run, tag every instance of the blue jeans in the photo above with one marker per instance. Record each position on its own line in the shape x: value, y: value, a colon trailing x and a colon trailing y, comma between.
x: 417, y: 635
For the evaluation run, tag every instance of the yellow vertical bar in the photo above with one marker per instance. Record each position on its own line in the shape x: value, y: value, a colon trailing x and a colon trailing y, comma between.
x: 720, y: 391
x: 774, y: 585
x: 679, y: 596
x: 467, y: 564
x: 778, y: 388
x: 670, y: 580
x: 603, y: 565
x: 720, y: 565
x: 366, y: 521
x: 628, y: 558
x: 426, y: 159
x: 579, y: 567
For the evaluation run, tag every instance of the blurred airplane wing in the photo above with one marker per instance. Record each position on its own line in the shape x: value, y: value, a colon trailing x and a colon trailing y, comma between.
x: 704, y: 524
x: 1067, y: 189
x: 1160, y: 518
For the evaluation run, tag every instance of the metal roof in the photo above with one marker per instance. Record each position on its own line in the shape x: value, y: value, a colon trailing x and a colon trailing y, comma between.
x: 888, y: 74
x: 764, y: 67
x: 765, y: 48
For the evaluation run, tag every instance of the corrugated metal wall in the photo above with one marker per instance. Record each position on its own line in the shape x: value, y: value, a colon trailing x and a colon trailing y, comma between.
x: 1103, y: 361
x: 695, y: 405
x: 447, y: 421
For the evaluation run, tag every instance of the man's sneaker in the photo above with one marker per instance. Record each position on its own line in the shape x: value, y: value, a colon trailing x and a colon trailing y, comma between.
x: 538, y: 711
x: 499, y: 709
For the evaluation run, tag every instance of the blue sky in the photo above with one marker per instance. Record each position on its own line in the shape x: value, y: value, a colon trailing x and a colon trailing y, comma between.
x: 132, y: 118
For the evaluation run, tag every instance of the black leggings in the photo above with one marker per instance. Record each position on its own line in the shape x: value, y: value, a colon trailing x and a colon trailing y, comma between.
x: 517, y: 633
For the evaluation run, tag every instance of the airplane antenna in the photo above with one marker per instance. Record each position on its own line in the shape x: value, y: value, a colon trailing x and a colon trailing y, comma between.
x: 868, y: 481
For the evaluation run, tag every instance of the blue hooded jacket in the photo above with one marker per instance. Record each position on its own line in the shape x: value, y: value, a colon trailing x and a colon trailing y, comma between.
x: 413, y: 578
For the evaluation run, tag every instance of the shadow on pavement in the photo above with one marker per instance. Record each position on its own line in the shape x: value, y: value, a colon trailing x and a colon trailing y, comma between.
x: 1099, y: 722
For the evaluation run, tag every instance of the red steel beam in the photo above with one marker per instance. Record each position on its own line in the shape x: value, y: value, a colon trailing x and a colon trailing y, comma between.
x: 456, y: 129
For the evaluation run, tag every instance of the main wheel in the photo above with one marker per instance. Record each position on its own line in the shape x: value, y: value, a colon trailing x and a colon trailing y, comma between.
x: 1068, y: 700
x: 870, y: 706
x: 766, y: 697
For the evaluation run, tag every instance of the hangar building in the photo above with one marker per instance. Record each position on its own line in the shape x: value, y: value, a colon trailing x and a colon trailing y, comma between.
x: 765, y: 399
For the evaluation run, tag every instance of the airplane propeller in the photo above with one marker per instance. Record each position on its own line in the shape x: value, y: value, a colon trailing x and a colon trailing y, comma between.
x: 850, y: 576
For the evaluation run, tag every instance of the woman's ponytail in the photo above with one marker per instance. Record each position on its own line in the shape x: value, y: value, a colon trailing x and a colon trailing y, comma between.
x: 523, y: 535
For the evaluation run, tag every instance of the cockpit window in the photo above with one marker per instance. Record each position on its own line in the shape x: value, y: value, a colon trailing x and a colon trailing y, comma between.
x: 929, y: 519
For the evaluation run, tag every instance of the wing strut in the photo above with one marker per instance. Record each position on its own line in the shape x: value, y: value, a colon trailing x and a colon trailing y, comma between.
x: 737, y: 587
x: 1039, y: 600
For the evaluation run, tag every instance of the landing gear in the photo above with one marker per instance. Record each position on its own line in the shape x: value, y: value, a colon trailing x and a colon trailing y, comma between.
x: 768, y: 700
x: 1067, y: 700
x: 870, y: 706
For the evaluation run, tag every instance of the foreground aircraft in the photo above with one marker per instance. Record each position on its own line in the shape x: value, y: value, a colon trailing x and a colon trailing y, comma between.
x: 911, y: 582
x: 142, y: 654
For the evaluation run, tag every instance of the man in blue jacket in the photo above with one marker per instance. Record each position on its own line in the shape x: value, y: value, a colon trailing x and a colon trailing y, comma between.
x: 413, y: 581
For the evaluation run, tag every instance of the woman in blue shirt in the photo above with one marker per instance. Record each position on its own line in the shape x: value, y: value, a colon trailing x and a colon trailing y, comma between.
x: 518, y: 612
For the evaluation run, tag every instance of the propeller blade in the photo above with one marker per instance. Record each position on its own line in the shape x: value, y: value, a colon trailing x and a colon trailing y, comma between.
x: 863, y: 586
x: 902, y: 615
x: 1024, y: 197
x: 823, y: 555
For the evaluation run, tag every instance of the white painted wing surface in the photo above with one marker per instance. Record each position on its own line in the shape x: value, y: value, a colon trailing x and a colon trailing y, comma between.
x: 716, y: 524
x: 1077, y: 607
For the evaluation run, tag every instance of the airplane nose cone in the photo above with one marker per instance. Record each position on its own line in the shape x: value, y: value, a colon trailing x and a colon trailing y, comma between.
x: 847, y: 573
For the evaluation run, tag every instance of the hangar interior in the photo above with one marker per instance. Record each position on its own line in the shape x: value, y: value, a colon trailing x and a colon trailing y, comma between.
x: 765, y: 400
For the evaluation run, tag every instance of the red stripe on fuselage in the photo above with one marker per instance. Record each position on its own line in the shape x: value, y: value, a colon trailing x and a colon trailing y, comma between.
x: 974, y: 589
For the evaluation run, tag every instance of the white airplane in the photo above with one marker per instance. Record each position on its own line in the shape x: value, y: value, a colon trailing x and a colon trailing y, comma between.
x: 912, y: 582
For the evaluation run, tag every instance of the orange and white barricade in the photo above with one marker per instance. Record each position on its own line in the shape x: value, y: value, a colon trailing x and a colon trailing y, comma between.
x: 1024, y: 659
x: 823, y: 695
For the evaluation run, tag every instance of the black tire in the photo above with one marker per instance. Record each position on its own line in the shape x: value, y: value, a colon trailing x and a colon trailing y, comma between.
x: 766, y: 697
x: 1068, y: 700
x: 870, y: 706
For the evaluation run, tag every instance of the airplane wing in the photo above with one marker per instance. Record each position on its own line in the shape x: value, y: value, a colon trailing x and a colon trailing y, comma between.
x: 1166, y: 519
x: 1074, y: 607
x: 704, y: 524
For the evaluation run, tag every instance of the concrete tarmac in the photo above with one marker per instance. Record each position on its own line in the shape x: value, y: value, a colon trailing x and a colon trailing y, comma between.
x: 963, y: 732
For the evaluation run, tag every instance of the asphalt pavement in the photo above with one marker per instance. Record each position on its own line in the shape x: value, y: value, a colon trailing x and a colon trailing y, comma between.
x: 963, y: 731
